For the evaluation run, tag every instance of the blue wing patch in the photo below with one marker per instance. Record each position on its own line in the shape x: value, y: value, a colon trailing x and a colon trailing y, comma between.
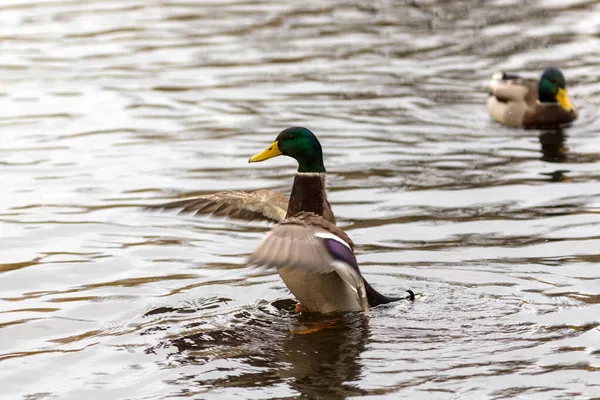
x: 341, y: 252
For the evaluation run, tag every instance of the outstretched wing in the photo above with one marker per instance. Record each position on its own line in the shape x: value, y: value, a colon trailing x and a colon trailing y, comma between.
x: 266, y: 205
x: 292, y: 246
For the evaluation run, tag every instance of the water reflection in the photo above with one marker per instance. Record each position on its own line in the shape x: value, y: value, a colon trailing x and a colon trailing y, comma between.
x: 325, y: 362
x: 554, y: 150
x: 314, y: 355
x: 553, y: 145
x: 560, y: 175
x: 427, y: 186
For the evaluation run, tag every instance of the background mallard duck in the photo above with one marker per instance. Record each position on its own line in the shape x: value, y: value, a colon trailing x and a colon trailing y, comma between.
x: 308, y: 190
x: 315, y: 259
x: 530, y: 103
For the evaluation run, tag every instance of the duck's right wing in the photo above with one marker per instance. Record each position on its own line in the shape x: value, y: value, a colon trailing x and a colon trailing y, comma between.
x: 311, y: 243
x: 265, y: 205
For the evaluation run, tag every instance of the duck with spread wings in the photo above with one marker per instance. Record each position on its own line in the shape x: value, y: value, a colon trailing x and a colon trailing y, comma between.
x: 314, y: 257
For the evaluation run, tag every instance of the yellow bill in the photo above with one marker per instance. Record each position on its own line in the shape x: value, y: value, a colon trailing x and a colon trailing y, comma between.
x: 269, y: 152
x: 563, y: 100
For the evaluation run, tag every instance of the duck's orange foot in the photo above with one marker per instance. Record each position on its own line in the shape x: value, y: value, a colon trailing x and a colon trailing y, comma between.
x: 312, y: 327
x: 299, y: 308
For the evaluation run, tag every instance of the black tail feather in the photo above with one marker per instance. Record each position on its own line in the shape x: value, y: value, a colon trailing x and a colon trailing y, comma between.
x: 375, y: 298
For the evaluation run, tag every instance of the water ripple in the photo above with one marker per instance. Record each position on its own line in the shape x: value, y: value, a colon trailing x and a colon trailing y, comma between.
x: 107, y: 106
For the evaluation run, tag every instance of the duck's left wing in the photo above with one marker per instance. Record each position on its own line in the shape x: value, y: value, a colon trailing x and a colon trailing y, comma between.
x: 262, y: 204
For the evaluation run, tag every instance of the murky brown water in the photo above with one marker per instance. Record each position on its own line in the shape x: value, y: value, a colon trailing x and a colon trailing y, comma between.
x: 108, y: 105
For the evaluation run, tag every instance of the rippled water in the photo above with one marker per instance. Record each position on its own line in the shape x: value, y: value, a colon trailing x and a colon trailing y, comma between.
x: 109, y: 105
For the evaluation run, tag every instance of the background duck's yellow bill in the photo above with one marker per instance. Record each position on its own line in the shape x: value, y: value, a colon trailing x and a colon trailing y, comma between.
x: 269, y: 152
x: 563, y: 100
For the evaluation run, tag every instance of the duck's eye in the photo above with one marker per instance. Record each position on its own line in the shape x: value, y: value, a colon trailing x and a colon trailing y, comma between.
x: 292, y: 137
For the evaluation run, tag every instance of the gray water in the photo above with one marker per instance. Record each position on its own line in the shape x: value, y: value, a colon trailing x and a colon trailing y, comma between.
x: 107, y: 105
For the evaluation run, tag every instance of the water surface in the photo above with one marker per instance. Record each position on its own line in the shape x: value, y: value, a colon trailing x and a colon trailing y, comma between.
x: 109, y: 105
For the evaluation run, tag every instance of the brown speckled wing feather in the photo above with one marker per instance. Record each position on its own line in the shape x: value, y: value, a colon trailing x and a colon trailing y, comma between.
x: 292, y: 244
x: 318, y: 222
x: 262, y: 204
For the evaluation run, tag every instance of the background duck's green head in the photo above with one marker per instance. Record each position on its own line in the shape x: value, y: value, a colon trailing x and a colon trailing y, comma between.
x: 553, y: 88
x: 298, y: 143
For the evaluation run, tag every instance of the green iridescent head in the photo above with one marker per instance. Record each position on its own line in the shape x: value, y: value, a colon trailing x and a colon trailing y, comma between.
x: 298, y: 143
x: 553, y: 89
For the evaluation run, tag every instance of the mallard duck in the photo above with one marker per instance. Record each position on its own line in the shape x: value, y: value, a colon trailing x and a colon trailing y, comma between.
x: 308, y: 191
x: 530, y: 103
x: 315, y: 259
